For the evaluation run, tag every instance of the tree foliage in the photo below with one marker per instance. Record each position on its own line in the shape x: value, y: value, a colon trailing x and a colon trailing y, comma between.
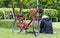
x: 29, y: 3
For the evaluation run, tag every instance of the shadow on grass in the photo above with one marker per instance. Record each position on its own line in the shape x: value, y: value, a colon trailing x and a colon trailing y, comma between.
x: 6, y: 24
x: 9, y: 24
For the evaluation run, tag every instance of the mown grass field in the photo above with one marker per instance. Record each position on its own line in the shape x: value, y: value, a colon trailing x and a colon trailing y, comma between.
x: 6, y: 31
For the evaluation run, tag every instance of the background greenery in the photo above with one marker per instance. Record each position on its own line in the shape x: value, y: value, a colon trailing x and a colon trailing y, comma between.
x: 52, y: 13
x: 46, y: 4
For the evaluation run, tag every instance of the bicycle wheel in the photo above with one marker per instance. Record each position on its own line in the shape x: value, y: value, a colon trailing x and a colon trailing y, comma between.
x: 15, y: 28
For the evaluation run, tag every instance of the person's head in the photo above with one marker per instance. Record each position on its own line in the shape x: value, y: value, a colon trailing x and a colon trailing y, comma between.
x: 40, y: 10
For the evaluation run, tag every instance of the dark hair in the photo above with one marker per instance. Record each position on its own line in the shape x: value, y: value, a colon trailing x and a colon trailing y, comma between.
x: 41, y: 10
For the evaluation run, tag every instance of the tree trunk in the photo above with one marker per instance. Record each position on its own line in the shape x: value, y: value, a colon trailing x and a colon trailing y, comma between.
x: 13, y: 11
x: 20, y: 6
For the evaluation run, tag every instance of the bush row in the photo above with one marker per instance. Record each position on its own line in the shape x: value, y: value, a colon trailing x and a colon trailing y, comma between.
x: 52, y: 13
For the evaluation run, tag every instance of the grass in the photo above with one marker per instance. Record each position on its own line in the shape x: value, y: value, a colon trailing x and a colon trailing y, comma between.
x: 6, y: 31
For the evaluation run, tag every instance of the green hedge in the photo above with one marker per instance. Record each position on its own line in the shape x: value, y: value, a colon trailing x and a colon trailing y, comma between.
x: 58, y: 15
x: 52, y: 13
x: 6, y: 11
x: 1, y: 15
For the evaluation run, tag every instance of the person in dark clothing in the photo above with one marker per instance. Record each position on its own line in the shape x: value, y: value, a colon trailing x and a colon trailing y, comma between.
x: 46, y: 25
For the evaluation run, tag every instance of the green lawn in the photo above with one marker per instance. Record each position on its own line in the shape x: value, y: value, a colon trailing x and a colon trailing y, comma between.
x: 6, y: 31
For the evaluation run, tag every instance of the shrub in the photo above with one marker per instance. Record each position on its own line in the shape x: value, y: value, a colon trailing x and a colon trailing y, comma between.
x: 1, y: 15
x: 58, y: 19
x: 52, y: 13
x: 55, y: 19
